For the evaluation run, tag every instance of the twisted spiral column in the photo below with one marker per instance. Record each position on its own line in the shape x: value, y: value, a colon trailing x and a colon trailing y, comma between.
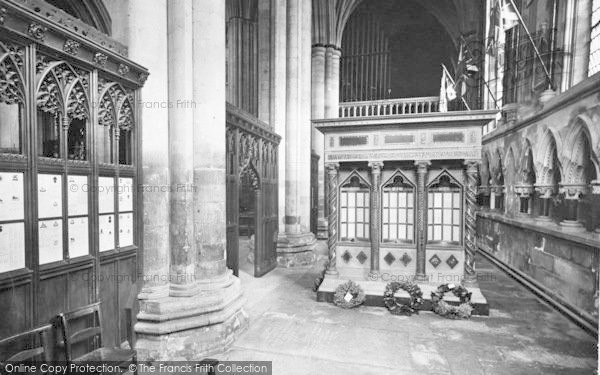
x: 422, y: 170
x: 332, y: 174
x: 471, y: 167
x: 375, y: 218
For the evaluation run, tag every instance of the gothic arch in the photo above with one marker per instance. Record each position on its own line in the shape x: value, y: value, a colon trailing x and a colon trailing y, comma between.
x: 546, y: 160
x: 12, y: 87
x: 355, y: 179
x: 527, y: 172
x: 509, y: 166
x: 485, y: 170
x: 578, y: 152
x: 92, y: 12
x: 249, y: 171
x: 60, y: 88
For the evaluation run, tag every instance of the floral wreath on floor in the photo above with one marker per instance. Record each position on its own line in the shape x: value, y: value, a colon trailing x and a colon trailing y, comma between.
x: 443, y: 308
x: 349, y: 295
x: 393, y: 303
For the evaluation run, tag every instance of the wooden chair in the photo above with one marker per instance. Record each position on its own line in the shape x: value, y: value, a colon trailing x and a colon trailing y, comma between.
x: 93, y: 334
x: 29, y: 347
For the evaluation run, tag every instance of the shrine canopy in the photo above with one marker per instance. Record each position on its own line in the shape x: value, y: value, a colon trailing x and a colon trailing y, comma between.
x: 417, y: 136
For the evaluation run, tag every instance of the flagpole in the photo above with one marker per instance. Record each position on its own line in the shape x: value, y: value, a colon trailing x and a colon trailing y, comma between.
x: 454, y: 83
x: 484, y: 81
x: 537, y: 52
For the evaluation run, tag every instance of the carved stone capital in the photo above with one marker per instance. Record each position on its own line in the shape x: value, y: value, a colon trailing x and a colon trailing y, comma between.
x: 484, y: 189
x: 376, y: 166
x: 422, y: 165
x: 545, y: 191
x: 332, y: 168
x: 472, y: 166
x: 595, y: 187
x: 573, y: 191
x: 497, y: 189
x: 524, y: 191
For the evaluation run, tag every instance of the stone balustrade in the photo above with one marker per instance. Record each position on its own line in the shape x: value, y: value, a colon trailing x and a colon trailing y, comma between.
x: 389, y: 107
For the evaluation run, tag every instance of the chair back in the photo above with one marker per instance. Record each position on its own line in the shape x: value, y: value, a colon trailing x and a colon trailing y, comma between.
x: 93, y: 331
x: 29, y: 346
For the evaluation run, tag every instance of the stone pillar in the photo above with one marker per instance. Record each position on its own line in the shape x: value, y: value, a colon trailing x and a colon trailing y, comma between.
x: 318, y: 112
x: 497, y: 198
x: 471, y: 168
x: 332, y: 81
x: 181, y: 148
x: 332, y: 182
x: 581, y: 50
x: 545, y: 193
x: 572, y: 193
x: 375, y: 218
x: 296, y: 245
x: 484, y: 194
x: 203, y: 318
x: 524, y: 192
x: 148, y: 26
x: 596, y: 191
x: 422, y: 170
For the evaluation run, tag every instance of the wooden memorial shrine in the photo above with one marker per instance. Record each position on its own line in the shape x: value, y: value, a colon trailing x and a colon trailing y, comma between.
x: 402, y: 200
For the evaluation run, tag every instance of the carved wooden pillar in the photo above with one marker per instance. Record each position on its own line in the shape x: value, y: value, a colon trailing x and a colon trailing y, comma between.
x: 470, y: 226
x: 332, y: 174
x: 375, y: 215
x: 422, y: 170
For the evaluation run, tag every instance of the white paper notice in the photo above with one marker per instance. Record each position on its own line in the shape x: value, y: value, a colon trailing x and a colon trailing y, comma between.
x: 125, y: 230
x: 12, y: 246
x: 106, y: 232
x: 78, y: 237
x: 106, y: 195
x: 49, y: 195
x: 50, y: 241
x: 125, y: 194
x: 12, y: 202
x: 78, y: 195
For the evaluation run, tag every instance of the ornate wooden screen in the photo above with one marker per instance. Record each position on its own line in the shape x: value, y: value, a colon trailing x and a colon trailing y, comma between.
x: 69, y: 164
x: 252, y: 152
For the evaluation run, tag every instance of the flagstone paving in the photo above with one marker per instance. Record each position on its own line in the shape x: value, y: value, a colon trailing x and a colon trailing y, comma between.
x: 302, y: 336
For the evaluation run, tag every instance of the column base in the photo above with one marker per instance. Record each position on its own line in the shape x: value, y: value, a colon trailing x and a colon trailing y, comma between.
x: 572, y: 225
x: 191, y: 328
x: 544, y: 219
x: 296, y: 250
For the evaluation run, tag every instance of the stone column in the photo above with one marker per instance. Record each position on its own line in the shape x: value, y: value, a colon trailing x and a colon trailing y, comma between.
x: 318, y: 112
x: 205, y: 318
x: 524, y: 192
x: 581, y: 50
x: 422, y: 170
x: 296, y: 245
x: 596, y: 191
x: 148, y: 26
x: 471, y: 168
x: 497, y: 198
x: 375, y: 218
x: 545, y: 193
x: 332, y: 81
x: 332, y: 182
x: 181, y: 148
x: 572, y: 193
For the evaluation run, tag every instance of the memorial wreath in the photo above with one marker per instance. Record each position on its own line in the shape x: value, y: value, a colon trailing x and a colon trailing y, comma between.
x: 393, y: 303
x: 349, y: 295
x: 443, y: 308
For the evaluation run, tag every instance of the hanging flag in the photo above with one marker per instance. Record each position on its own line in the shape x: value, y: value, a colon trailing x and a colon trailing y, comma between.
x: 447, y: 90
x: 510, y: 18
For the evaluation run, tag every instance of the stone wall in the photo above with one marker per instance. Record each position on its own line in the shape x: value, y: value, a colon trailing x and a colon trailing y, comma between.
x: 565, y: 264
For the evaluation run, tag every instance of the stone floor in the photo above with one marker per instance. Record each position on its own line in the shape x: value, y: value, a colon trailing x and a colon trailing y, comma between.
x: 302, y: 336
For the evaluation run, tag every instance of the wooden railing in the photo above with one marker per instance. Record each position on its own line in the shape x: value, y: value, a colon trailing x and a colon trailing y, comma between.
x: 389, y: 107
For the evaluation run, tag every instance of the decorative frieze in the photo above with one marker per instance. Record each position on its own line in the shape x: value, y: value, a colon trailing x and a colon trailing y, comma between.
x: 37, y: 31
x: 100, y: 59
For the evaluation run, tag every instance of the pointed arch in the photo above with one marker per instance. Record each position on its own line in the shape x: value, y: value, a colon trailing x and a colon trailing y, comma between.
x: 485, y: 170
x: 250, y: 172
x: 546, y: 160
x: 580, y: 141
x: 526, y: 164
x: 354, y: 203
x: 12, y: 82
x: 444, y: 209
x: 355, y: 180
